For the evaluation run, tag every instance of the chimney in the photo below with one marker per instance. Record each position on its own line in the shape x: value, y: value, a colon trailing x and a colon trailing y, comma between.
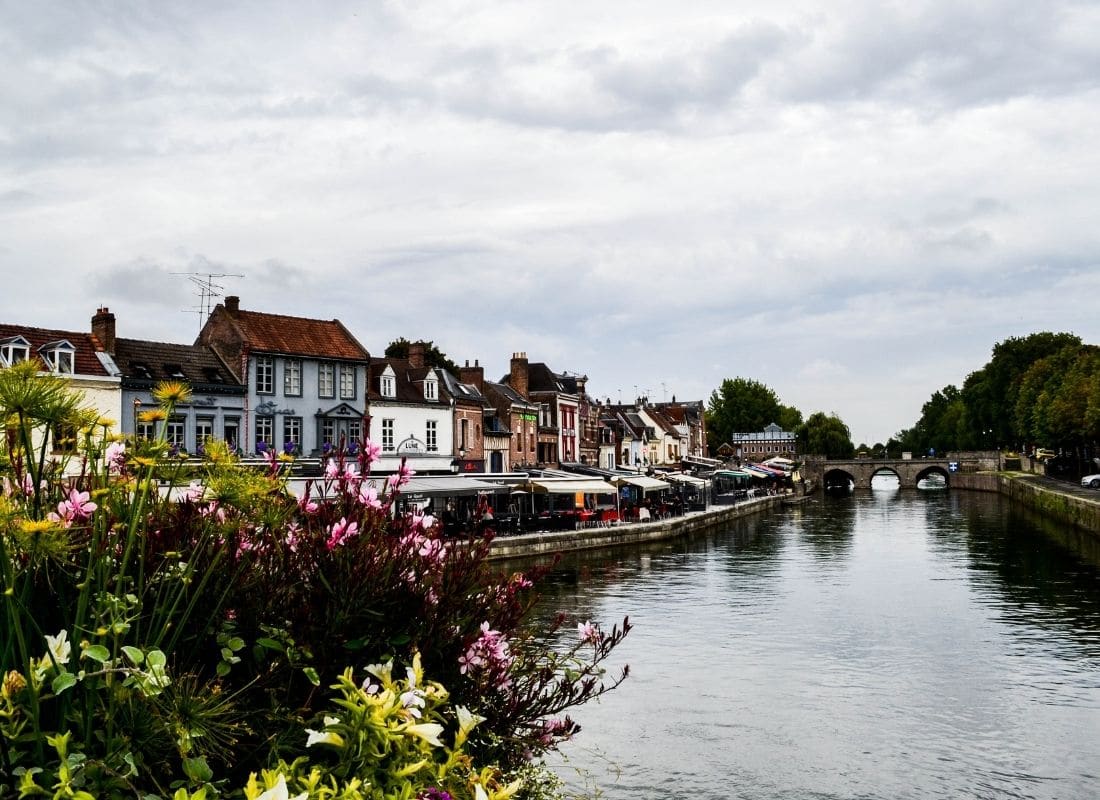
x: 103, y: 328
x: 232, y: 305
x: 474, y: 375
x: 518, y: 377
x: 416, y: 355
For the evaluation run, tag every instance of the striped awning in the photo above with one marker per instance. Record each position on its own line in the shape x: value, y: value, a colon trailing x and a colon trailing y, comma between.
x: 571, y: 486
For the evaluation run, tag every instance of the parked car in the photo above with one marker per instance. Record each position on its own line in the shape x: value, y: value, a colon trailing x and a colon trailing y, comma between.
x: 1091, y: 481
x: 1042, y: 454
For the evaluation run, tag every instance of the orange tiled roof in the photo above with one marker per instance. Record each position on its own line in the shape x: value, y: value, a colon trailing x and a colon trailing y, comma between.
x: 86, y: 362
x: 318, y: 338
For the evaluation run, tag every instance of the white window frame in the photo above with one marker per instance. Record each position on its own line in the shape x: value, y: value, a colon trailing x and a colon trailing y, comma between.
x: 326, y: 379
x: 204, y: 430
x: 292, y: 377
x: 14, y: 350
x: 175, y: 433
x: 431, y: 389
x: 388, y: 386
x: 266, y: 422
x: 431, y: 436
x: 60, y: 357
x: 265, y: 375
x: 388, y: 445
x: 290, y: 426
x: 347, y: 381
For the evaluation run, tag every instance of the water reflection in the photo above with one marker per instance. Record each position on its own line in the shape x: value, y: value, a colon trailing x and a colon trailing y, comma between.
x: 887, y: 644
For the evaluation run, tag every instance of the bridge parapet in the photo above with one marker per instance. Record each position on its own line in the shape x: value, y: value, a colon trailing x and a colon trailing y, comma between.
x: 909, y: 471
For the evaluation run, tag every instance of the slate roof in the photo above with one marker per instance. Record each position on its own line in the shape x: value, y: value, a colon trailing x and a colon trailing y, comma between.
x: 408, y: 382
x: 463, y: 392
x: 89, y: 359
x: 147, y: 363
x: 296, y: 336
x: 508, y: 393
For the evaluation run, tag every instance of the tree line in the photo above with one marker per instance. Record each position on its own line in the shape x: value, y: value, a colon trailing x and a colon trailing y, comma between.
x: 1040, y: 390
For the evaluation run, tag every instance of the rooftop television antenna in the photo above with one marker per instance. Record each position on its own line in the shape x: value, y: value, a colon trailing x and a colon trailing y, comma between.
x: 207, y: 291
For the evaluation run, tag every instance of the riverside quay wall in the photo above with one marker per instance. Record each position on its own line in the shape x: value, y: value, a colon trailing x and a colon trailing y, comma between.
x: 1039, y: 495
x: 628, y: 533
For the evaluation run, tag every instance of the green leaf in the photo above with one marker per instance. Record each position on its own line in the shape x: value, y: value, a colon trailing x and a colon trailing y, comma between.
x: 66, y: 680
x: 236, y: 643
x: 197, y: 769
x: 156, y: 658
x: 97, y: 652
x: 270, y: 644
x: 312, y: 675
x: 136, y: 656
x: 222, y: 669
x: 400, y: 639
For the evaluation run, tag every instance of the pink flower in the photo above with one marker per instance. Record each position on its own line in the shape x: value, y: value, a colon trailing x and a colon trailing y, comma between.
x: 292, y: 531
x: 115, y: 456
x: 194, y: 492
x: 368, y: 496
x: 78, y: 506
x: 589, y: 632
x: 341, y: 532
x: 372, y: 452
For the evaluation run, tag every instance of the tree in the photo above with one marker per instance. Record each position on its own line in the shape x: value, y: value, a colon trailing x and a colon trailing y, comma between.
x: 741, y: 405
x: 825, y: 435
x: 433, y: 356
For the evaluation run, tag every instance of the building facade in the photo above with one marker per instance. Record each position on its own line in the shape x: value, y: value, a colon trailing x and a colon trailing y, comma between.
x: 305, y: 379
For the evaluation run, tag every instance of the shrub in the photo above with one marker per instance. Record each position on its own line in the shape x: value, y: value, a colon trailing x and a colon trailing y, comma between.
x: 161, y: 636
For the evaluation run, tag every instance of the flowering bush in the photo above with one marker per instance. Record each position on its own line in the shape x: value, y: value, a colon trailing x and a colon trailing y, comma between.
x: 166, y: 631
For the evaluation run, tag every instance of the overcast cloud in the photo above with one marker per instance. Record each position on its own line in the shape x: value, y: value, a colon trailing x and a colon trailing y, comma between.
x: 849, y: 201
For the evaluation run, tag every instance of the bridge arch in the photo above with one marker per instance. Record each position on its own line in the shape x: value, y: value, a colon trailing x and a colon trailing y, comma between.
x: 884, y: 469
x: 838, y: 479
x: 933, y: 469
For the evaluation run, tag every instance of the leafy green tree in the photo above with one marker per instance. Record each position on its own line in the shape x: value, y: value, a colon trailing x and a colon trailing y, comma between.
x: 741, y: 405
x: 825, y: 435
x: 433, y: 356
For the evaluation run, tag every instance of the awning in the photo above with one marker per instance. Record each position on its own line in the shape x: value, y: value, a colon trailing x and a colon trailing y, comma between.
x: 758, y: 472
x: 641, y: 481
x: 681, y: 477
x: 448, y: 486
x: 571, y: 486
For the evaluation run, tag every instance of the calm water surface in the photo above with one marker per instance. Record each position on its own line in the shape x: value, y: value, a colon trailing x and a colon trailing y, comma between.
x: 885, y: 645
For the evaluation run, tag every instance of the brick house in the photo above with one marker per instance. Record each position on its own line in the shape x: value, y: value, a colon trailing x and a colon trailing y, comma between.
x: 217, y: 401
x: 305, y: 378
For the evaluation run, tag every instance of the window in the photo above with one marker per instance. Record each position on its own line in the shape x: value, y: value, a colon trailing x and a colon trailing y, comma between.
x: 388, y: 389
x: 14, y: 350
x: 431, y: 389
x: 265, y: 432
x: 387, y: 435
x: 292, y: 434
x: 177, y: 433
x: 204, y: 430
x: 265, y: 375
x: 463, y: 430
x: 64, y: 438
x: 430, y: 436
x: 145, y: 430
x: 355, y: 430
x: 232, y: 430
x: 326, y: 380
x: 347, y: 381
x: 59, y: 356
x: 292, y: 377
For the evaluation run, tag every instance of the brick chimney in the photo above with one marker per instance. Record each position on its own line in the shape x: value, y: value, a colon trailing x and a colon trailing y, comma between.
x: 416, y: 355
x: 232, y: 305
x: 103, y: 328
x: 518, y: 377
x: 474, y: 375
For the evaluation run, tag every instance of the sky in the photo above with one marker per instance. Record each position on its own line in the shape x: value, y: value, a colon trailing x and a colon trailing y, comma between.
x: 850, y: 202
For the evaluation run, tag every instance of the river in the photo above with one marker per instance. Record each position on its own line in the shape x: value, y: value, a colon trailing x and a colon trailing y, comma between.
x: 888, y: 644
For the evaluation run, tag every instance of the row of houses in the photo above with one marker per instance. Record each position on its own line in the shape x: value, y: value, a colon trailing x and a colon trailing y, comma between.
x: 262, y: 381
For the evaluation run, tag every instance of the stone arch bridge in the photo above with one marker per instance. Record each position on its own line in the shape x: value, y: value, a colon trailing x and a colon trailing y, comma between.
x: 823, y: 472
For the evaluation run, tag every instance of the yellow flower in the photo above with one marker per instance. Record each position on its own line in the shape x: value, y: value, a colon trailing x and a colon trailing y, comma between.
x: 105, y: 422
x: 156, y: 415
x: 35, y: 526
x: 172, y: 393
x: 14, y: 683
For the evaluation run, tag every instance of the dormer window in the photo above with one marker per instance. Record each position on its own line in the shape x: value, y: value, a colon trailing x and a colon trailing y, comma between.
x: 388, y: 383
x: 14, y: 349
x: 59, y: 356
x: 431, y: 387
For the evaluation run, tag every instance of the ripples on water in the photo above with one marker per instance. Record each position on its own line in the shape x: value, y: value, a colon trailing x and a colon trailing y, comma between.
x: 884, y: 645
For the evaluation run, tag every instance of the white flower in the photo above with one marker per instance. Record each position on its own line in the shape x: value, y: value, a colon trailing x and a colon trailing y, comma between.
x: 428, y: 731
x: 279, y: 792
x: 59, y: 647
x: 323, y: 737
x: 467, y: 721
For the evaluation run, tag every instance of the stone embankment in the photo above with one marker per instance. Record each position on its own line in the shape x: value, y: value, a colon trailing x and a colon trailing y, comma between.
x: 534, y: 544
x: 1054, y: 500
